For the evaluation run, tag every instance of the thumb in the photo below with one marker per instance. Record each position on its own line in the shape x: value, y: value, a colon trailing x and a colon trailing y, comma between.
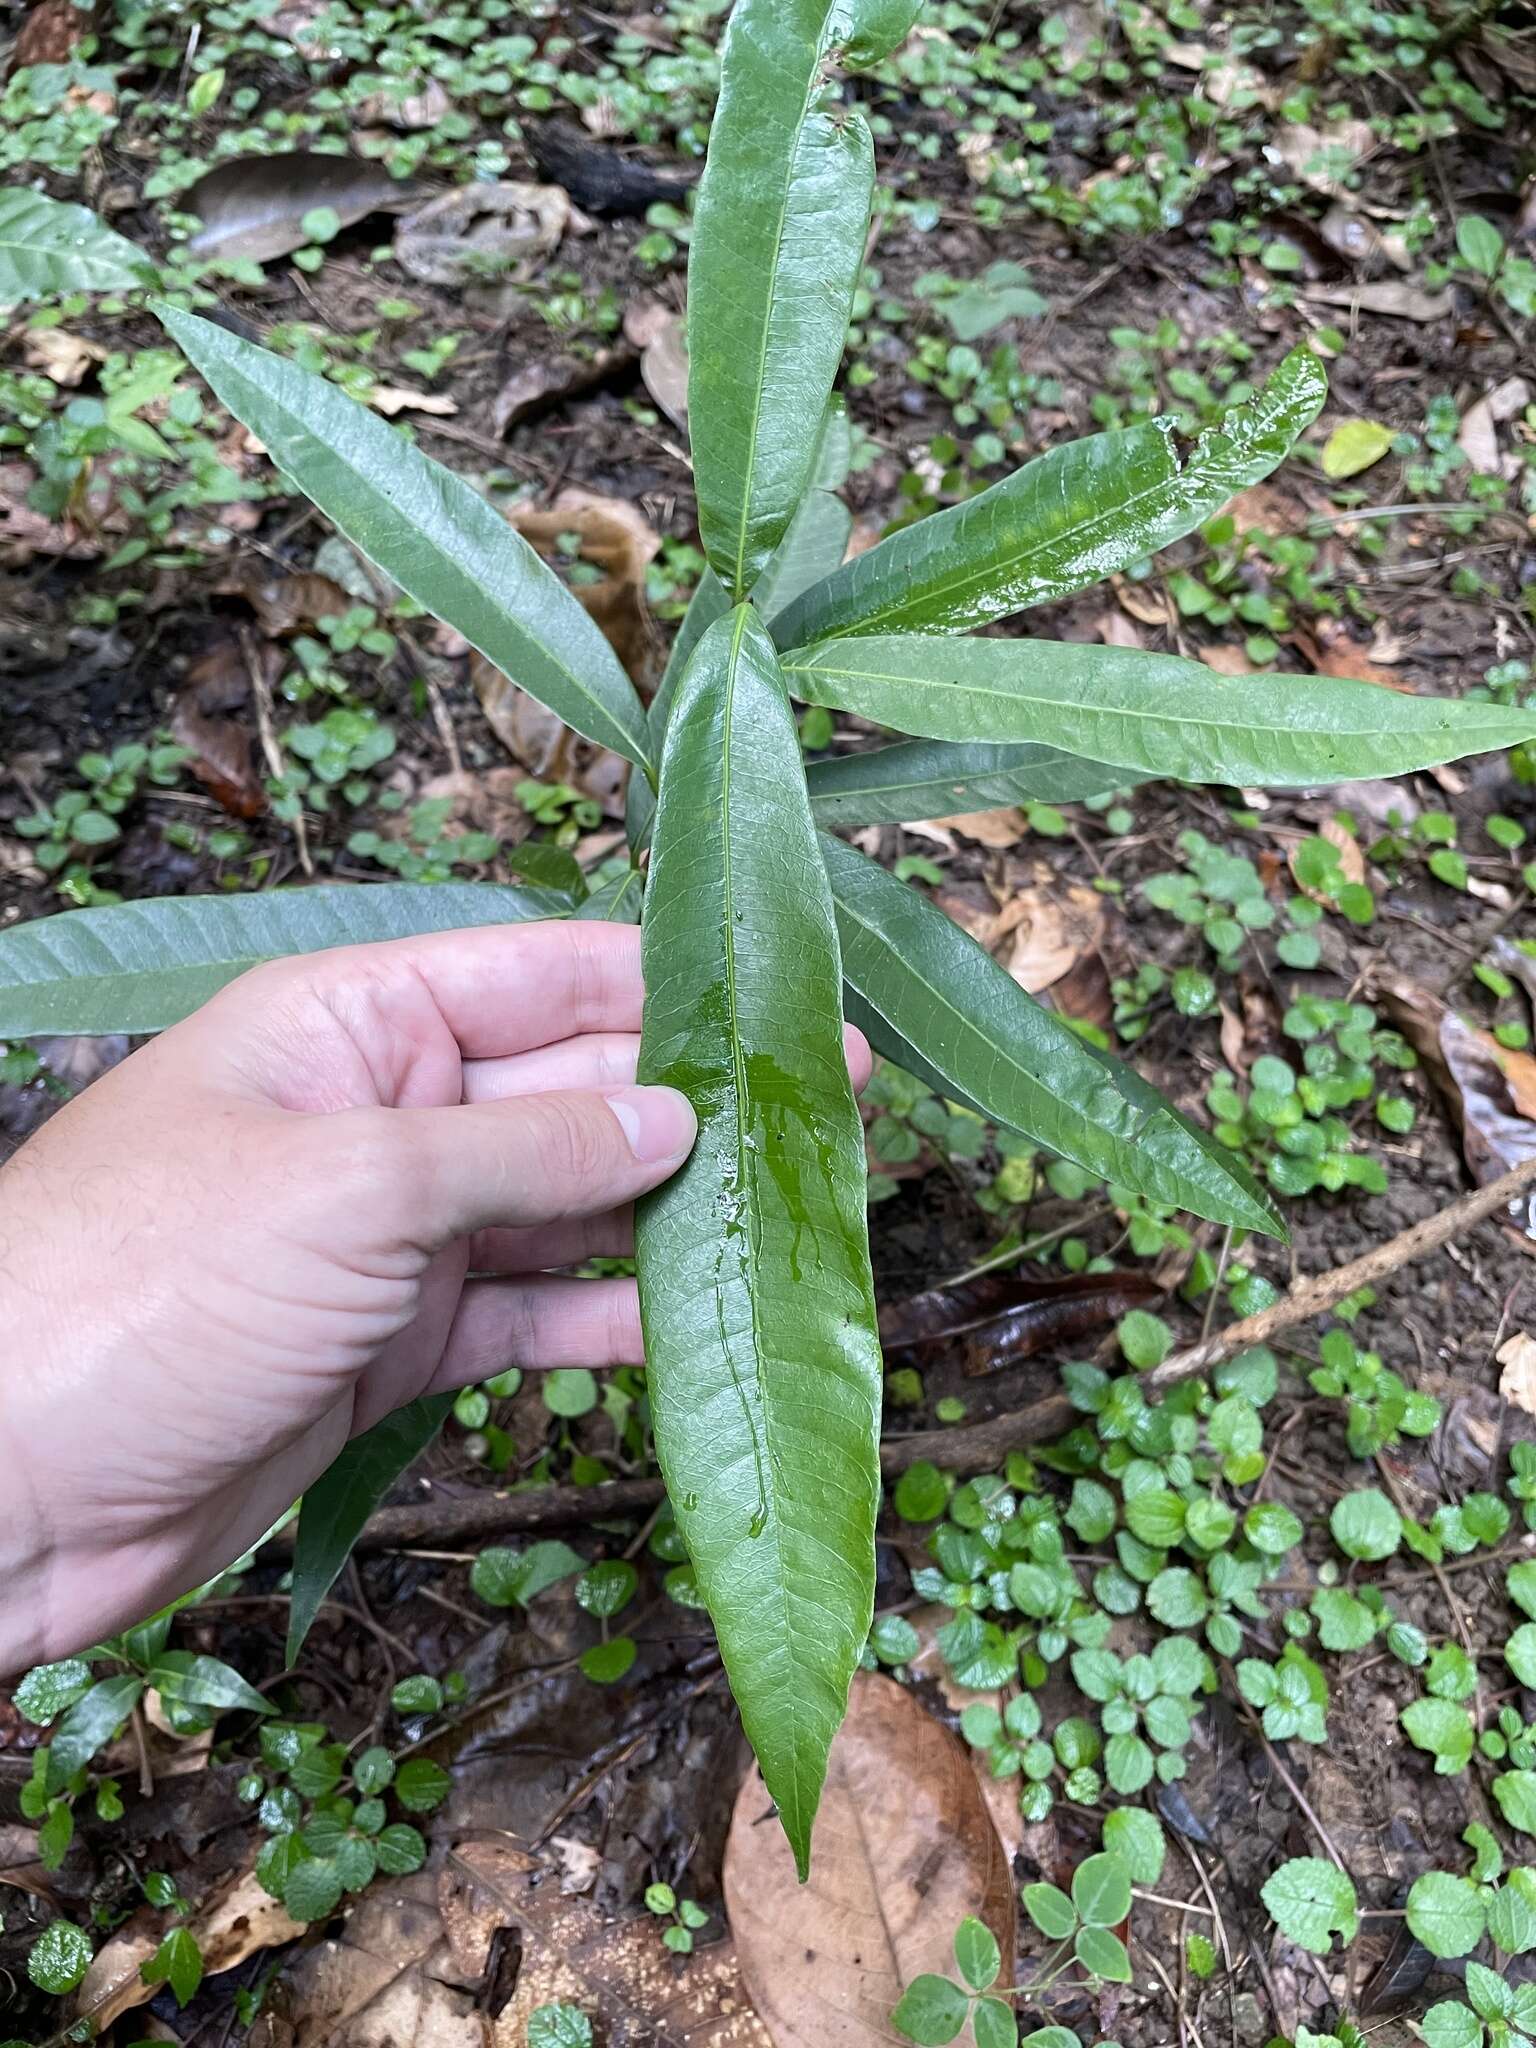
x: 537, y: 1158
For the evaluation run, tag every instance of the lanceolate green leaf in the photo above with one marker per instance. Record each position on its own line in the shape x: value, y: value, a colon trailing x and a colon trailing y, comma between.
x: 141, y: 966
x: 817, y: 537
x: 428, y: 529
x: 335, y: 1508
x: 778, y: 238
x: 930, y: 779
x: 931, y: 999
x: 708, y: 603
x: 764, y: 1365
x: 1070, y: 518
x: 1152, y: 713
x: 618, y: 901
x: 47, y: 248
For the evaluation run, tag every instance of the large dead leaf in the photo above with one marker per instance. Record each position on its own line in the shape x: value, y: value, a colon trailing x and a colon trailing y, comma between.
x: 664, y: 369
x: 1491, y: 1090
x: 903, y: 1851
x: 1517, y: 1379
x: 1058, y: 926
x: 988, y: 828
x: 1323, y: 157
x: 614, y: 536
x: 209, y: 718
x: 481, y: 232
x: 234, y: 1921
x: 1394, y: 298
x: 253, y: 208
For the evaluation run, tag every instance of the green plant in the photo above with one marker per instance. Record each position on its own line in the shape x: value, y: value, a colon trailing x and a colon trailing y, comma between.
x: 760, y: 933
x: 684, y: 1917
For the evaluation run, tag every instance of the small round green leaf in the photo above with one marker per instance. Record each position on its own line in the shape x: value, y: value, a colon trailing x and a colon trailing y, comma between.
x: 977, y: 1953
x: 932, y: 2010
x: 1101, y: 1890
x: 1446, y: 1913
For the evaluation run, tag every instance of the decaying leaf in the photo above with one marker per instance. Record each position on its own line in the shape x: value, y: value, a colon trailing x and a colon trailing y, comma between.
x: 64, y: 358
x: 1517, y: 1376
x: 904, y: 1851
x: 1393, y: 298
x: 286, y: 604
x: 237, y: 1919
x: 481, y: 232
x: 1347, y: 846
x: 1059, y: 926
x: 1001, y: 1319
x: 612, y: 535
x: 391, y: 399
x: 1492, y: 1091
x: 1324, y: 157
x: 253, y: 208
x: 547, y: 380
x: 207, y: 720
x: 495, y: 1899
x: 664, y: 369
x: 988, y: 828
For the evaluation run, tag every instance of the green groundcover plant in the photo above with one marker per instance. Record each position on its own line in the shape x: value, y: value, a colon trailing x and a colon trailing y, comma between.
x: 763, y: 930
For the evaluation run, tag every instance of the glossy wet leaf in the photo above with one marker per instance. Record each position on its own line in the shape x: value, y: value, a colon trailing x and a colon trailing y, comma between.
x: 708, y: 603
x: 1070, y: 518
x: 1153, y: 713
x: 764, y: 1365
x: 427, y: 529
x: 816, y: 538
x: 935, y: 1002
x: 937, y: 779
x: 778, y: 239
x: 335, y: 1508
x: 48, y: 248
x: 139, y: 967
x: 90, y: 1723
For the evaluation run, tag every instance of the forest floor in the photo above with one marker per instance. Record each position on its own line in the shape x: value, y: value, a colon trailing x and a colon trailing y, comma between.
x: 1088, y: 215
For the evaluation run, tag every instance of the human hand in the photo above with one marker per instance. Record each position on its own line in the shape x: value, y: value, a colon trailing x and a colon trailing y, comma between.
x: 256, y: 1237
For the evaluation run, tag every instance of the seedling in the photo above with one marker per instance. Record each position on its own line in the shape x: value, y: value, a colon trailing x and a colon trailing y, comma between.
x: 762, y: 931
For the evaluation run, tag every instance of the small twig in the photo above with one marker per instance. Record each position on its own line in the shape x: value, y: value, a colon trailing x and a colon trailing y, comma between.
x: 141, y: 1744
x: 272, y: 753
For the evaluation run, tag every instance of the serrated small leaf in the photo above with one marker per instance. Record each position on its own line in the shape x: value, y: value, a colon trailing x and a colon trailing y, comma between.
x: 931, y: 2011
x: 1442, y: 1728
x: 1447, y: 1913
x: 1309, y: 1900
x: 1136, y: 1838
x: 139, y: 967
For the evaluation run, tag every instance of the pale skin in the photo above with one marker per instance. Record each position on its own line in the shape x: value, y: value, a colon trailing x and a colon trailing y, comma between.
x: 347, y: 1181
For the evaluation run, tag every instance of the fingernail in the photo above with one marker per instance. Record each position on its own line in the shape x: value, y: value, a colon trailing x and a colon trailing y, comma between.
x: 658, y: 1122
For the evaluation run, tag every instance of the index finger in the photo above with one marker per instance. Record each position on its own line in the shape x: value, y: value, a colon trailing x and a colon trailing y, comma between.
x: 497, y: 989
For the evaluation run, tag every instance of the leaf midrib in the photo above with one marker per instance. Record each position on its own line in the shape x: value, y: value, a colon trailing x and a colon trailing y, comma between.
x: 1189, y: 473
x: 1156, y: 718
x: 748, y: 494
x: 747, y: 1180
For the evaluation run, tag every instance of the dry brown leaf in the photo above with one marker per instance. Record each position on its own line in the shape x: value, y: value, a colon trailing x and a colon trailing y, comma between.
x: 25, y: 533
x: 1491, y: 1091
x: 1117, y: 629
x: 207, y: 719
x: 548, y: 380
x: 664, y: 369
x: 254, y: 207
x: 1227, y: 660
x: 1478, y: 439
x: 616, y: 537
x: 286, y: 604
x: 1393, y: 298
x: 904, y: 1850
x: 1322, y: 157
x: 64, y: 358
x: 1517, y: 1380
x: 1339, y: 655
x: 423, y: 109
x: 988, y: 927
x: 391, y: 399
x: 1360, y: 242
x: 1055, y: 928
x: 1149, y: 606
x: 988, y: 828
x: 1262, y: 509
x: 236, y: 1919
x: 1351, y: 858
x: 477, y: 231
